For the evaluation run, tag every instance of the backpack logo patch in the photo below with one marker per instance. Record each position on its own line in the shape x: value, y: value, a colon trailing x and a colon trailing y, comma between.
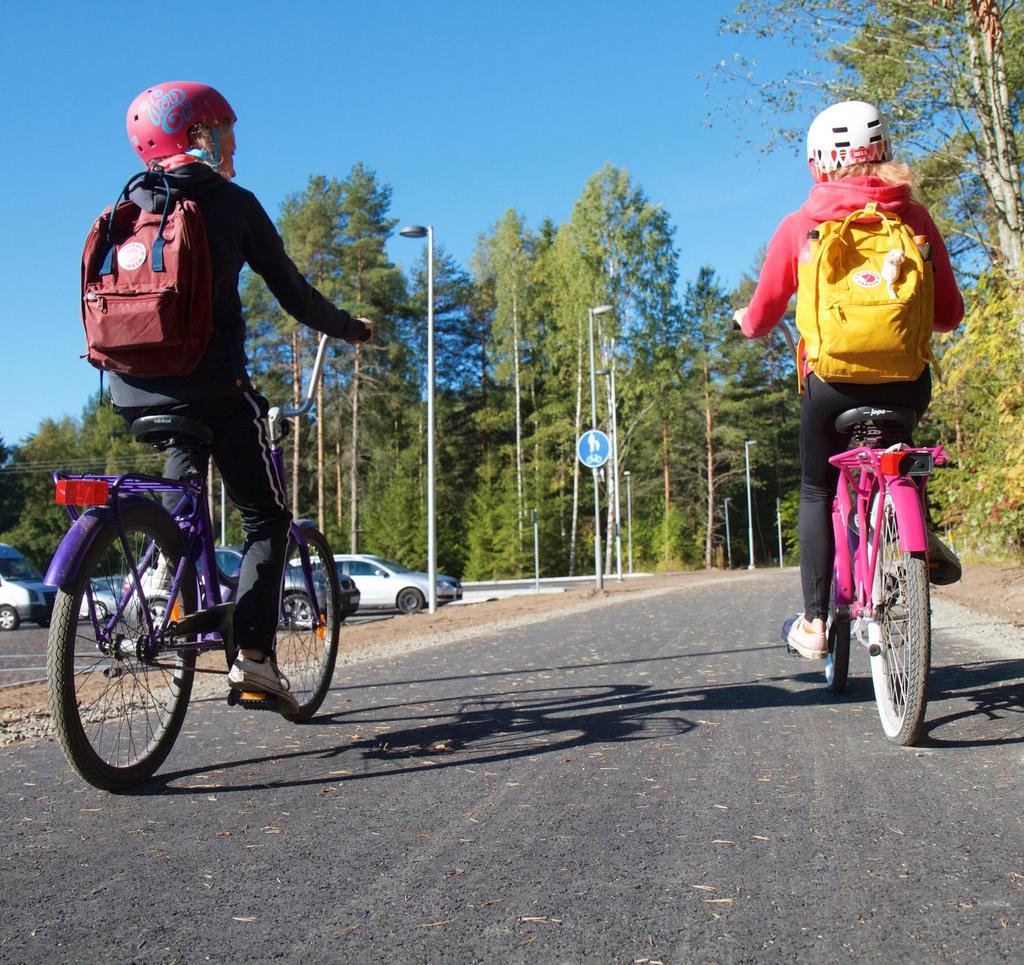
x: 867, y: 279
x: 131, y: 256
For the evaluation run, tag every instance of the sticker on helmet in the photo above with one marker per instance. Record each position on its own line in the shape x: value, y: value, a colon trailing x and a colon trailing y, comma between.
x: 169, y: 109
x: 867, y: 279
x: 131, y: 256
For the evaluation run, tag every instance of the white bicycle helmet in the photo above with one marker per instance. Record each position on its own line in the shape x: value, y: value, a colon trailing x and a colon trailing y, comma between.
x: 852, y: 132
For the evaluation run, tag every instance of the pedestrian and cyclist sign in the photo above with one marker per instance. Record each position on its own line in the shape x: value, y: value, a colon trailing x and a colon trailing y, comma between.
x: 593, y: 448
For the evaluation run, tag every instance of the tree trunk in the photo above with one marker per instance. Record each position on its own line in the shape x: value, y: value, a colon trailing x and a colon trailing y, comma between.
x: 668, y: 488
x: 338, y: 501
x: 1000, y: 167
x: 709, y: 437
x: 574, y: 526
x: 296, y: 423
x: 353, y: 510
x: 519, y: 421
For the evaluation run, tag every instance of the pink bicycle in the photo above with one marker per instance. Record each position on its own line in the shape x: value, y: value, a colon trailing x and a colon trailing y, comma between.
x: 880, y: 588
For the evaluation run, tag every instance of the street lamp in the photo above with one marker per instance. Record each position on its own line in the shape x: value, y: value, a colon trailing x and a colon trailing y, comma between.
x: 750, y: 511
x: 629, y: 515
x: 615, y: 508
x: 728, y: 541
x: 778, y: 522
x: 591, y: 312
x: 421, y: 231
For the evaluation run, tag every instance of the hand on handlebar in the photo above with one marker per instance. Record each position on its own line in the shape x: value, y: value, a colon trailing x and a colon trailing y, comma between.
x: 737, y: 319
x: 368, y: 322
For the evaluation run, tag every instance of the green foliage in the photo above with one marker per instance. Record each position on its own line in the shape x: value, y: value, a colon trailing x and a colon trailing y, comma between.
x: 978, y: 412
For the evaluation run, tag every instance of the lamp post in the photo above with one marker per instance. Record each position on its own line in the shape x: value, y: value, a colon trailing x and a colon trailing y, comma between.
x: 750, y: 510
x: 608, y: 359
x: 778, y: 522
x: 728, y: 541
x: 591, y: 312
x: 629, y: 516
x: 421, y: 231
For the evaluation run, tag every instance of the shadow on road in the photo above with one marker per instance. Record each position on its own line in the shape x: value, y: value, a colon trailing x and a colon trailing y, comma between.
x: 487, y: 728
x: 992, y: 691
x: 500, y: 726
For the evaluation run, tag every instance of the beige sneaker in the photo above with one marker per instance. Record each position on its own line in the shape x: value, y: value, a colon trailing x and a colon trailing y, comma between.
x: 253, y: 676
x: 806, y: 641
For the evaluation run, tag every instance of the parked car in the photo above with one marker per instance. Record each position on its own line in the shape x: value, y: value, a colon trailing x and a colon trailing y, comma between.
x: 385, y: 584
x: 295, y: 602
x: 103, y: 597
x: 23, y: 594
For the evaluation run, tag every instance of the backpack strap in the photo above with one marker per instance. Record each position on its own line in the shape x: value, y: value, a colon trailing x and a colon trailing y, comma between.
x: 157, y: 262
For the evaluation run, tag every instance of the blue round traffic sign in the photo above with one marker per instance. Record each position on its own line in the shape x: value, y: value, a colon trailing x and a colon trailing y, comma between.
x: 593, y: 448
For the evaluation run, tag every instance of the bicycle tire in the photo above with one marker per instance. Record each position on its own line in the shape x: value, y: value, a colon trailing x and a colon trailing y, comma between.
x: 306, y: 648
x: 117, y: 716
x: 837, y: 663
x: 901, y: 633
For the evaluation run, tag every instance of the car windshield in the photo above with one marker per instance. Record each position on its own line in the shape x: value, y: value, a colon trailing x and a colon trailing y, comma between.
x: 391, y: 564
x: 18, y: 568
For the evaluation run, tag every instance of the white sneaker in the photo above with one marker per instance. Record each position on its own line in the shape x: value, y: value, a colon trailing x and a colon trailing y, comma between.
x: 803, y: 639
x: 261, y: 676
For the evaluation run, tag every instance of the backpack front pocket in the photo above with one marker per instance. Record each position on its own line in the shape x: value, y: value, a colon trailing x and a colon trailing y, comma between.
x: 134, y: 320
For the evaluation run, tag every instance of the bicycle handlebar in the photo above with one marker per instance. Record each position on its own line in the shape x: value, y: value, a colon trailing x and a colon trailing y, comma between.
x: 277, y: 413
x: 314, y: 379
x: 786, y: 331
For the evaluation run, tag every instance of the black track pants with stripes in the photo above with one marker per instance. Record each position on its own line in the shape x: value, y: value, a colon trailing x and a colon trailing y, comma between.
x: 241, y: 453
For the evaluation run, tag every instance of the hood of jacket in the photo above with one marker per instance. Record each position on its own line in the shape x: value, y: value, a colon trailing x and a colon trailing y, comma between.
x: 833, y: 200
x: 192, y: 180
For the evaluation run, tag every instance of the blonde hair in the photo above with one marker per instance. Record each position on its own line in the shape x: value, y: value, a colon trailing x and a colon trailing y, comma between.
x: 201, y: 136
x: 891, y: 172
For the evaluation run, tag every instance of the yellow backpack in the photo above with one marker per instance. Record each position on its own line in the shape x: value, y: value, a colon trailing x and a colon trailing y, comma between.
x: 865, y: 301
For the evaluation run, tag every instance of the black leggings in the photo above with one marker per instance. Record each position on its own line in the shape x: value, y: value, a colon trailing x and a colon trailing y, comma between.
x: 822, y: 402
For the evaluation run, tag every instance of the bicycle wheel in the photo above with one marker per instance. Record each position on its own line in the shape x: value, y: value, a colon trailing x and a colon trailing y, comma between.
x: 837, y: 663
x: 900, y: 633
x: 117, y: 714
x: 307, y: 641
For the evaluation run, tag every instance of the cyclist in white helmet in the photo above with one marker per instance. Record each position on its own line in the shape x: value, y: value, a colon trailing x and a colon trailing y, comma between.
x: 850, y: 158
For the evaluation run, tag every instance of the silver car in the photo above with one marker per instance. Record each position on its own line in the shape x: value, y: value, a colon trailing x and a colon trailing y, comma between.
x: 385, y: 584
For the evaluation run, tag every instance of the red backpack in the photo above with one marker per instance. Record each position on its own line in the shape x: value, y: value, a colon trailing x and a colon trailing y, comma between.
x: 147, y: 287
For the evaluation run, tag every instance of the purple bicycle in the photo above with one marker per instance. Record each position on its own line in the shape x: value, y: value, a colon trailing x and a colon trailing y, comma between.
x: 120, y: 672
x: 880, y: 586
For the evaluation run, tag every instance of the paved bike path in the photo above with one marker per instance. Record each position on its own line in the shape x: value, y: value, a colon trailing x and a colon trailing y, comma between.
x: 647, y: 780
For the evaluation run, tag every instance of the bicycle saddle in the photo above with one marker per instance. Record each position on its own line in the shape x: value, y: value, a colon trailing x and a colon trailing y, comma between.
x: 165, y: 430
x: 885, y: 423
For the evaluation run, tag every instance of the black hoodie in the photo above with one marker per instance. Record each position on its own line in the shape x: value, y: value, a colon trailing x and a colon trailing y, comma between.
x: 239, y: 232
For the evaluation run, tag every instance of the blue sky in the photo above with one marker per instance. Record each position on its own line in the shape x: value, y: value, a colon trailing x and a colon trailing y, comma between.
x: 464, y: 108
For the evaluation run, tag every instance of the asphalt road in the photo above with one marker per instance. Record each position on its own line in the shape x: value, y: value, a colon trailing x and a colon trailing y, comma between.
x: 648, y: 780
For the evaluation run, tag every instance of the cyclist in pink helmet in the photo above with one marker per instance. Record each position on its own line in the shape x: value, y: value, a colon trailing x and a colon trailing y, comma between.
x: 850, y: 158
x: 186, y: 129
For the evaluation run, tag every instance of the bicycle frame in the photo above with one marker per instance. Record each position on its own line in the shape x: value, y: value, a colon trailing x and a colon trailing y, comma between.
x: 865, y: 473
x: 192, y: 514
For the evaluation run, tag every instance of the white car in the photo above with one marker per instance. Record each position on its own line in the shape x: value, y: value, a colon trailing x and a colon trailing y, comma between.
x: 385, y: 584
x: 23, y: 594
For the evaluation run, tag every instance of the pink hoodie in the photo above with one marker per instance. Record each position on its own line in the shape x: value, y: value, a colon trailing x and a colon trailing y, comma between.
x: 829, y: 201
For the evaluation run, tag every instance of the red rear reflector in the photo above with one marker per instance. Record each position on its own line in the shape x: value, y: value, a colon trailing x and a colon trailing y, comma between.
x: 889, y: 463
x: 82, y: 492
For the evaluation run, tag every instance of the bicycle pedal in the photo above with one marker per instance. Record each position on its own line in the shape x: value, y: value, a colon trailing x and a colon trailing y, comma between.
x: 792, y: 651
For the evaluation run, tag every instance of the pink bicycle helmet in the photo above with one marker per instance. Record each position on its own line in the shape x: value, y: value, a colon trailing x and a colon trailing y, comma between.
x: 852, y: 132
x: 160, y: 117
